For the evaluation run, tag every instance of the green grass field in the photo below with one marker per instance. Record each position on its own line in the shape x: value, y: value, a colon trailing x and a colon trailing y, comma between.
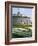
x: 21, y: 26
x: 19, y: 33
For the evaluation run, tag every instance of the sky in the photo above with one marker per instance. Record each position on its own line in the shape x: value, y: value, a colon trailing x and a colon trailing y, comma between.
x: 24, y: 11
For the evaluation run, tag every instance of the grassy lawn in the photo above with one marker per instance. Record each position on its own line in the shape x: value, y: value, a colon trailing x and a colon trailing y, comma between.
x: 18, y: 33
x: 21, y: 25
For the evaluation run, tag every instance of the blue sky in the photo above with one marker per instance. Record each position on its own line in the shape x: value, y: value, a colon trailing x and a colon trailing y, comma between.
x: 24, y: 11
